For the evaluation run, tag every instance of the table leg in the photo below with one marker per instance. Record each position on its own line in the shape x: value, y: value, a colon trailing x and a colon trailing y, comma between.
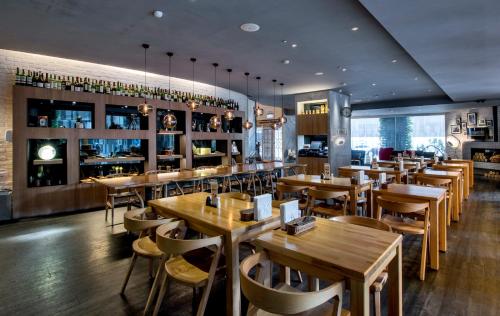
x: 233, y: 277
x: 442, y: 225
x: 456, y: 200
x: 369, y: 203
x: 398, y: 177
x: 354, y: 201
x: 374, y: 207
x: 360, y: 298
x: 434, y: 244
x: 466, y: 183
x: 395, y: 283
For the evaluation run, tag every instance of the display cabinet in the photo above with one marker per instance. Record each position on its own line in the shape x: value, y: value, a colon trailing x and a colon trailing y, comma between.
x: 60, y: 114
x: 125, y: 117
x: 47, y: 162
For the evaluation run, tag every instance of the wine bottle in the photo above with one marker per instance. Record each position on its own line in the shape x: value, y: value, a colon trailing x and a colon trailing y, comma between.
x: 23, y: 78
x: 29, y: 79
x: 39, y: 82
x: 18, y: 76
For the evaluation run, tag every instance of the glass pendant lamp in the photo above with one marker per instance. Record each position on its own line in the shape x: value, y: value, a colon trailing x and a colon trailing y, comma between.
x: 192, y: 103
x: 169, y: 120
x: 258, y: 110
x: 215, y: 121
x: 145, y: 108
x: 247, y: 124
x: 282, y: 118
x: 276, y: 124
x: 229, y: 113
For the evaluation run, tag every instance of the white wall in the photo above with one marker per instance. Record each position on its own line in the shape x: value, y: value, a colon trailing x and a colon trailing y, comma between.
x: 9, y: 60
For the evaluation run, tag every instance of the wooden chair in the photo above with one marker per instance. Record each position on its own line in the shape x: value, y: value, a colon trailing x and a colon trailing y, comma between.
x: 158, y: 190
x: 127, y: 196
x: 137, y: 221
x: 403, y: 224
x: 286, y: 192
x: 361, y: 201
x: 323, y: 209
x: 381, y: 280
x: 442, y: 183
x: 177, y: 268
x: 284, y: 299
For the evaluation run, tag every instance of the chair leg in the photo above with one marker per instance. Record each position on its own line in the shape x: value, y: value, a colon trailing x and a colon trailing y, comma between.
x: 150, y: 266
x: 300, y: 276
x: 376, y: 303
x: 163, y: 289
x: 129, y: 272
x: 423, y: 259
x: 112, y: 211
x: 154, y: 288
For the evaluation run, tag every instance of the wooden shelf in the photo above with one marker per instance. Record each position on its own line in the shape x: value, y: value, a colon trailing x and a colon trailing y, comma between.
x: 58, y: 161
x: 209, y: 136
x: 90, y: 161
x: 170, y: 133
x: 235, y: 154
x: 216, y: 154
x: 168, y: 157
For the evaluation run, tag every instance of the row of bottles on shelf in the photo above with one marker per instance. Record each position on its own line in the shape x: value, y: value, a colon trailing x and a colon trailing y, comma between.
x: 79, y: 84
x: 322, y: 109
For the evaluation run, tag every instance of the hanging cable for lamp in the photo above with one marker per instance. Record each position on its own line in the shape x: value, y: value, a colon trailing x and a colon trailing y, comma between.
x: 229, y: 113
x: 282, y: 118
x: 276, y: 125
x: 169, y: 120
x: 145, y: 108
x: 247, y: 125
x: 192, y: 103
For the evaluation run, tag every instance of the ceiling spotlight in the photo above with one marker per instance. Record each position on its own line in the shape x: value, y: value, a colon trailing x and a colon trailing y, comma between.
x: 340, y: 90
x: 250, y: 27
x: 374, y: 84
x: 350, y: 94
x: 344, y: 69
x: 284, y: 41
x: 294, y: 45
x: 319, y: 73
x: 429, y: 90
x: 285, y: 61
x: 376, y: 96
x: 158, y: 14
x: 343, y: 84
x: 355, y: 28
x: 393, y: 93
x: 394, y: 61
x: 416, y: 78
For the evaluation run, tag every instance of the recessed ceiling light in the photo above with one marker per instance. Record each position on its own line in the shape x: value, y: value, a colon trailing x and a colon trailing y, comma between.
x: 416, y: 78
x: 250, y: 27
x: 340, y: 90
x: 319, y: 73
x: 343, y: 84
x: 394, y: 61
x: 429, y: 90
x: 355, y: 28
x: 393, y: 93
x: 158, y: 14
x: 344, y: 69
x: 286, y: 61
x: 284, y: 41
x: 374, y: 84
x: 376, y: 96
x: 350, y: 94
x: 294, y: 45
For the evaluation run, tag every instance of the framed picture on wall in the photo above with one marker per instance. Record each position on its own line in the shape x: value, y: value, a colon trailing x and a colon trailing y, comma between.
x: 458, y: 120
x: 472, y: 118
x: 455, y: 129
x: 464, y: 126
x: 489, y: 123
x: 481, y: 122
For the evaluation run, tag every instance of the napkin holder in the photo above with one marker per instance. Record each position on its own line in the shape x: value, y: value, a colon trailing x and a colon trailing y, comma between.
x: 246, y: 215
x: 263, y: 207
x: 213, y: 200
x: 300, y: 225
x: 288, y: 212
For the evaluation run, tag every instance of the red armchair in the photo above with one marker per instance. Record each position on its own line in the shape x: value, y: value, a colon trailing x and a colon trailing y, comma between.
x: 385, y: 153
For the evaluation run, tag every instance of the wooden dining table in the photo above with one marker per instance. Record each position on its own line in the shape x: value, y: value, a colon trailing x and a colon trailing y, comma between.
x: 224, y: 221
x: 456, y: 183
x: 471, y: 168
x: 410, y: 166
x: 336, y: 251
x: 464, y: 167
x: 436, y: 197
x: 335, y: 183
x: 399, y: 174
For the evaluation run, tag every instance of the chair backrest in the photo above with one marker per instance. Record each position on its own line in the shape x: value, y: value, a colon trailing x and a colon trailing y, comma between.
x: 401, y: 206
x: 283, y: 302
x: 155, y: 171
x: 319, y: 194
x: 385, y: 153
x: 348, y: 173
x: 431, y: 181
x: 237, y: 195
x: 136, y: 220
x: 170, y: 245
x: 362, y: 221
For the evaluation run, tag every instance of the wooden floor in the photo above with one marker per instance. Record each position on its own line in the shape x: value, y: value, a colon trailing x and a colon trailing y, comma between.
x: 73, y: 265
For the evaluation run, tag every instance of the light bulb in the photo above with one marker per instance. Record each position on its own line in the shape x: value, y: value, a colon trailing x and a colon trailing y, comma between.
x: 192, y: 104
x: 247, y: 124
x: 282, y: 119
x: 215, y: 122
x: 169, y: 121
x: 229, y: 115
x: 145, y: 108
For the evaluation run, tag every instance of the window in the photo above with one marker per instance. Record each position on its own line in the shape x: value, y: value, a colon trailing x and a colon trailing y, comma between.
x: 423, y: 133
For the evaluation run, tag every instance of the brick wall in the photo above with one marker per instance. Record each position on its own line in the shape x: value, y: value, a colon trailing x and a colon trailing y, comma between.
x: 9, y: 60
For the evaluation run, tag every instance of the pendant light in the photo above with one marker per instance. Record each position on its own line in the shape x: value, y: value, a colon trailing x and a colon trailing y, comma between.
x: 169, y: 120
x: 276, y: 125
x: 215, y: 121
x: 145, y: 108
x: 192, y: 103
x: 258, y: 110
x: 247, y: 125
x: 283, y: 117
x: 229, y: 113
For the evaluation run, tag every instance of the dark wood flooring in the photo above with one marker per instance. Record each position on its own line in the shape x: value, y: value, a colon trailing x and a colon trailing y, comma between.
x: 74, y: 265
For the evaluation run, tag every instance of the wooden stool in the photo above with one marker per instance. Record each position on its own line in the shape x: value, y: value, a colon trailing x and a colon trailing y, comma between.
x: 378, y: 284
x: 136, y: 221
x: 284, y: 299
x: 404, y: 224
x: 176, y: 267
